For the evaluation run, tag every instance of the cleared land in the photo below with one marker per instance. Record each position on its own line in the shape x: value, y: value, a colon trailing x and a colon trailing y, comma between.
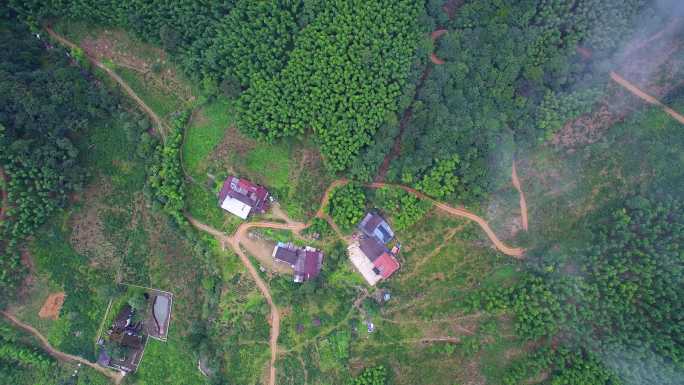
x: 52, y: 306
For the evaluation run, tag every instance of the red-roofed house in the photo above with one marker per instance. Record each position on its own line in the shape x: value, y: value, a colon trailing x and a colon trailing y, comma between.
x: 240, y: 197
x: 369, y: 252
x: 306, y: 262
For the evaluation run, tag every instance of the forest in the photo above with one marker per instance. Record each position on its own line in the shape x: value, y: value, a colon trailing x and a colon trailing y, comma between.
x: 44, y: 102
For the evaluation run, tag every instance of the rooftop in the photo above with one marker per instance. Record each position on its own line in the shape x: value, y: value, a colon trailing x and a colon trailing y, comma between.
x: 306, y: 261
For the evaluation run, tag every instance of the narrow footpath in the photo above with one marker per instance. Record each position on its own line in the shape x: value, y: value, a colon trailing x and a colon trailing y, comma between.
x: 158, y: 122
x: 59, y: 355
x: 636, y: 91
x: 523, y: 202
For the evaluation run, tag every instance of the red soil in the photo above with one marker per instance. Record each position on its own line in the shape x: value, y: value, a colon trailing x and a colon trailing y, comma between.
x: 52, y: 306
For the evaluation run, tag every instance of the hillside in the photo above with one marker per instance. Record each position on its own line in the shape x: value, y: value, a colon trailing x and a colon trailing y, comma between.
x: 521, y: 165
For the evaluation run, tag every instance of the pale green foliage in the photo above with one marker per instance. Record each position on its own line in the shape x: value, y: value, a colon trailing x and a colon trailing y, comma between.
x: 440, y: 181
x: 555, y: 109
x: 406, y: 209
x: 347, y: 205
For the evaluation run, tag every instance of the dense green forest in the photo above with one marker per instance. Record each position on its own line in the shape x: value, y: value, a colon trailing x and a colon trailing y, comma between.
x: 44, y: 101
x: 617, y: 298
x: 345, y: 71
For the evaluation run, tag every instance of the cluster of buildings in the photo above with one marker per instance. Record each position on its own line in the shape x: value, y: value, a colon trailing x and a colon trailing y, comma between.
x: 124, y: 343
x: 369, y: 251
x: 241, y: 197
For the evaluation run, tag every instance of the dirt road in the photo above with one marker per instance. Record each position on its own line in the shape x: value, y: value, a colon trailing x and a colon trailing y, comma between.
x: 523, y: 202
x: 156, y: 120
x: 61, y: 356
x: 515, y: 252
x: 644, y: 96
x: 235, y: 240
x: 234, y: 243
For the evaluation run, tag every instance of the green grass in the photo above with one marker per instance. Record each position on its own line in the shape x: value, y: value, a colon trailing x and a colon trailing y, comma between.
x: 205, y: 132
x: 163, y: 103
x: 272, y: 164
x: 168, y: 363
x: 203, y: 205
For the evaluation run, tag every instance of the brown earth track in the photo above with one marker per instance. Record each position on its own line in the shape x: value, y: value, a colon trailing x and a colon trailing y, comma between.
x: 234, y: 243
x: 436, y: 34
x: 405, y: 118
x: 158, y: 122
x: 52, y: 306
x: 644, y: 96
x: 523, y: 202
x: 59, y: 355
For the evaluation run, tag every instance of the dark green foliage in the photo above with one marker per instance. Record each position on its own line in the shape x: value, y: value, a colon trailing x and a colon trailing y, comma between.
x: 347, y: 205
x: 554, y: 110
x: 371, y: 376
x: 319, y: 226
x: 43, y: 102
x: 511, y: 70
x: 621, y: 299
x: 440, y: 180
x: 13, y: 352
x: 406, y: 209
x: 165, y: 174
x: 562, y: 366
x: 252, y: 40
x: 343, y: 79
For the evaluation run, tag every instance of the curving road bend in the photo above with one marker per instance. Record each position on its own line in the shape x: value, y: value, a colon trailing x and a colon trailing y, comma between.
x: 59, y: 355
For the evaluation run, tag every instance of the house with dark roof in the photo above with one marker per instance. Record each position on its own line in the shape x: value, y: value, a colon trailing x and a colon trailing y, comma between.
x: 369, y: 252
x: 306, y: 262
x: 242, y: 197
x: 373, y: 225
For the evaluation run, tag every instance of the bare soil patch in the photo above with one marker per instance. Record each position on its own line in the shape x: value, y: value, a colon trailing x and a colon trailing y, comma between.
x: 52, y: 306
x: 523, y: 202
x: 262, y: 249
x: 106, y: 46
x: 651, y: 66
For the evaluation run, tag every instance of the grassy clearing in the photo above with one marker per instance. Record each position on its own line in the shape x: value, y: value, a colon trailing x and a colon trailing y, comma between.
x: 168, y: 363
x: 207, y: 127
x: 162, y: 102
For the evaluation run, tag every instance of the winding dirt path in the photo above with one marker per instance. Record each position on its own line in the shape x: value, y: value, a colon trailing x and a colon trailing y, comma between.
x: 523, y: 202
x: 645, y: 97
x: 240, y: 234
x: 436, y: 34
x: 5, y: 200
x: 156, y: 120
x: 234, y: 243
x: 515, y: 252
x: 59, y: 355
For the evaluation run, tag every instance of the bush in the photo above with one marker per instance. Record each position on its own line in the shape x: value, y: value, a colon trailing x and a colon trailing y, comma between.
x: 347, y: 205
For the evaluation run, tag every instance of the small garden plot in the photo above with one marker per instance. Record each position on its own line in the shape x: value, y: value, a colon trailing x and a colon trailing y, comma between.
x: 135, y: 315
